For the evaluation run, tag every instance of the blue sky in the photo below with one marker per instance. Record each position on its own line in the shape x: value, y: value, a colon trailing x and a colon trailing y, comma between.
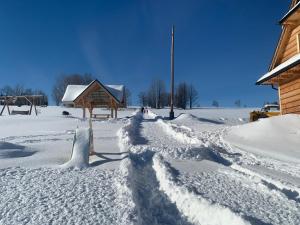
x: 221, y: 46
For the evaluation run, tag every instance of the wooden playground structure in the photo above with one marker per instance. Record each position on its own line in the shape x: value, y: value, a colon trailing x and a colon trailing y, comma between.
x: 9, y: 101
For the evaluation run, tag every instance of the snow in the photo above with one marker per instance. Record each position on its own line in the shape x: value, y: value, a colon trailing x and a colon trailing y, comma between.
x: 81, y: 149
x: 280, y: 68
x: 276, y: 137
x: 60, y: 196
x: 189, y: 203
x: 117, y: 91
x: 149, y: 170
x: 72, y: 92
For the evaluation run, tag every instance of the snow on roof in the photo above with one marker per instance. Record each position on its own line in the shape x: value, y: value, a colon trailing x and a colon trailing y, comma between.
x: 73, y: 91
x: 279, y: 69
x: 271, y: 105
x: 116, y: 90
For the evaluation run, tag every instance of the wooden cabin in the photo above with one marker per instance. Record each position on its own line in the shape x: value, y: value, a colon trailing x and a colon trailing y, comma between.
x: 284, y: 71
x: 95, y: 95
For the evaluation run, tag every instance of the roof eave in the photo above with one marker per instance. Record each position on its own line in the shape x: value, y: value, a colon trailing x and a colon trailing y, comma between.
x: 286, y: 16
x: 260, y: 82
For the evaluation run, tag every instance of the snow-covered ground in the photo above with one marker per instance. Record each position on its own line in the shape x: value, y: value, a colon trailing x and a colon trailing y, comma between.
x: 208, y: 166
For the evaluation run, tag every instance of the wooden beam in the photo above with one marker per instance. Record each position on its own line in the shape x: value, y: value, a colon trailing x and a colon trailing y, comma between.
x: 83, y: 112
x: 35, y: 108
x: 280, y: 101
x: 116, y: 111
x: 83, y: 108
x: 30, y: 110
x: 3, y: 109
x: 111, y: 108
x: 92, y: 151
x: 8, y: 109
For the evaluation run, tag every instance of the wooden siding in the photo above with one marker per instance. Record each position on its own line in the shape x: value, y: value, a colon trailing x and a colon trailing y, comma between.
x: 291, y: 47
x: 290, y: 97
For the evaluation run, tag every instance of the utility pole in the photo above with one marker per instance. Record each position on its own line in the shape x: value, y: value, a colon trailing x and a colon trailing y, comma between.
x: 172, y: 76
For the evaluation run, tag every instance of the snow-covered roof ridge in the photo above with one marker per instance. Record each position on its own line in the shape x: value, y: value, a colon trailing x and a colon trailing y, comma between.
x: 279, y: 69
x: 74, y: 91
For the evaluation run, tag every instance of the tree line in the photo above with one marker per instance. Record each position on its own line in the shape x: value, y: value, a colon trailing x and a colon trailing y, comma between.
x: 157, y: 97
x: 20, y: 90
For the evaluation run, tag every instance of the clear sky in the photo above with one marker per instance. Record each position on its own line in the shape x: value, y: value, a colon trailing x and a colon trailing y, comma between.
x: 221, y: 46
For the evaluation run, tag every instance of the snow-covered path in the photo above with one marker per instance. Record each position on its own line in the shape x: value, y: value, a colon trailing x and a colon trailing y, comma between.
x: 147, y: 171
x: 203, y: 165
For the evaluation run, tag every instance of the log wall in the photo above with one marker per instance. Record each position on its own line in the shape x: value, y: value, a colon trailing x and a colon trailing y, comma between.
x: 292, y: 47
x: 289, y: 94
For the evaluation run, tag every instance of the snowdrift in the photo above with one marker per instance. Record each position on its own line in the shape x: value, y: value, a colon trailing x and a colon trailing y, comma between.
x: 276, y: 137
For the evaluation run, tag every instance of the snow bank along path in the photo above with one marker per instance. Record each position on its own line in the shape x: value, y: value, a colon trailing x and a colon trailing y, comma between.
x: 159, y: 191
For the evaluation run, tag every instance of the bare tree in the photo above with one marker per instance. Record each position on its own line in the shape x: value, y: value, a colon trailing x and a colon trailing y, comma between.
x: 7, y: 90
x: 181, y: 95
x: 157, y: 97
x: 215, y: 103
x: 193, y: 95
x: 143, y: 98
x: 19, y: 90
x: 128, y: 96
x: 238, y: 103
x: 63, y: 81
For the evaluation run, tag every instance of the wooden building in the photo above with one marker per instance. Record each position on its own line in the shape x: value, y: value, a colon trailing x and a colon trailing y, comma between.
x: 95, y: 95
x: 284, y: 71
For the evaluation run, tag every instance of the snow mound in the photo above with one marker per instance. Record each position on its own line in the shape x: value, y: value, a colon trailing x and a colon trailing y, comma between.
x: 81, y: 149
x: 275, y: 137
x: 185, y: 116
x: 211, y: 121
x: 180, y: 133
x: 197, y: 209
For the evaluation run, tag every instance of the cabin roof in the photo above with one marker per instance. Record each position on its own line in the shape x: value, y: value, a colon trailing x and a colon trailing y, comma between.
x: 74, y: 91
x: 290, y: 63
x: 290, y: 12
